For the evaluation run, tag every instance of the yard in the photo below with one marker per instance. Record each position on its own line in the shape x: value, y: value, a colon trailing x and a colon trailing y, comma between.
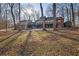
x: 40, y: 43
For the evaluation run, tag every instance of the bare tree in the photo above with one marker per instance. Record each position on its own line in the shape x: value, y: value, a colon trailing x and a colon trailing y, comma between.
x: 41, y: 9
x: 73, y: 17
x: 67, y: 13
x: 54, y: 15
x: 19, y: 15
x: 19, y: 12
x: 78, y: 11
x: 54, y: 10
x: 0, y: 11
x: 62, y: 10
x: 70, y: 17
x: 6, y: 16
x: 42, y: 15
x: 0, y: 14
x: 13, y: 16
x: 49, y: 10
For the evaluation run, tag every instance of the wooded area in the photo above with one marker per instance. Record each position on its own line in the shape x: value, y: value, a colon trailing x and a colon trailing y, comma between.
x: 49, y: 29
x: 11, y: 13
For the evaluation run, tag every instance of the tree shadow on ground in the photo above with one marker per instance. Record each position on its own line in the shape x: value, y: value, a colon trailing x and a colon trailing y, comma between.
x: 6, y: 47
x: 68, y: 32
x: 61, y: 35
x: 23, y: 48
x: 8, y: 37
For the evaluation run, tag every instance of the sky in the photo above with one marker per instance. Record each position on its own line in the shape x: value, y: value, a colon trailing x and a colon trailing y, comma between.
x: 36, y: 6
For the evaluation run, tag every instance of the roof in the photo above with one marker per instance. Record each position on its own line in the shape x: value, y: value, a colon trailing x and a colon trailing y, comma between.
x: 42, y: 17
x: 25, y: 21
x: 49, y: 18
x: 60, y: 18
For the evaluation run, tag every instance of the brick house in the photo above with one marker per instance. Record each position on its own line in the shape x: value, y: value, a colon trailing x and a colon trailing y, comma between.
x: 59, y: 22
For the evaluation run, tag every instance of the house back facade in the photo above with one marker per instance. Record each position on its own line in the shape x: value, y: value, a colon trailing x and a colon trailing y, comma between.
x: 49, y: 22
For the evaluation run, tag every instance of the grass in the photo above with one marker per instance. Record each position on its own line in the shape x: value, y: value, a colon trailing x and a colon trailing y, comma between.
x: 50, y: 44
x: 41, y: 43
x: 15, y: 46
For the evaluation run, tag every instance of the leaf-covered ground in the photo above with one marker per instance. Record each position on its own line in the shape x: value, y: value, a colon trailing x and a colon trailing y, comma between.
x: 41, y: 43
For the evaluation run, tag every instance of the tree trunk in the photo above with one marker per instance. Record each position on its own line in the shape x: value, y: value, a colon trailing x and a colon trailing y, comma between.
x: 70, y: 15
x: 67, y: 13
x: 13, y: 18
x: 42, y: 15
x: 6, y: 19
x: 73, y: 17
x: 11, y: 6
x: 54, y: 10
x: 19, y: 16
x: 0, y: 16
x: 63, y: 11
x: 0, y: 11
x: 78, y: 13
x: 19, y: 12
x: 54, y: 15
x: 41, y: 10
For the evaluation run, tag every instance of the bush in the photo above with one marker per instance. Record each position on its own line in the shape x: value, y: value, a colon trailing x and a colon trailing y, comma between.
x: 68, y: 24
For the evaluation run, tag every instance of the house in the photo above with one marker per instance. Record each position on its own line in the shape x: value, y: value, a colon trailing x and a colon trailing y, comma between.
x: 49, y: 22
x: 59, y: 22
